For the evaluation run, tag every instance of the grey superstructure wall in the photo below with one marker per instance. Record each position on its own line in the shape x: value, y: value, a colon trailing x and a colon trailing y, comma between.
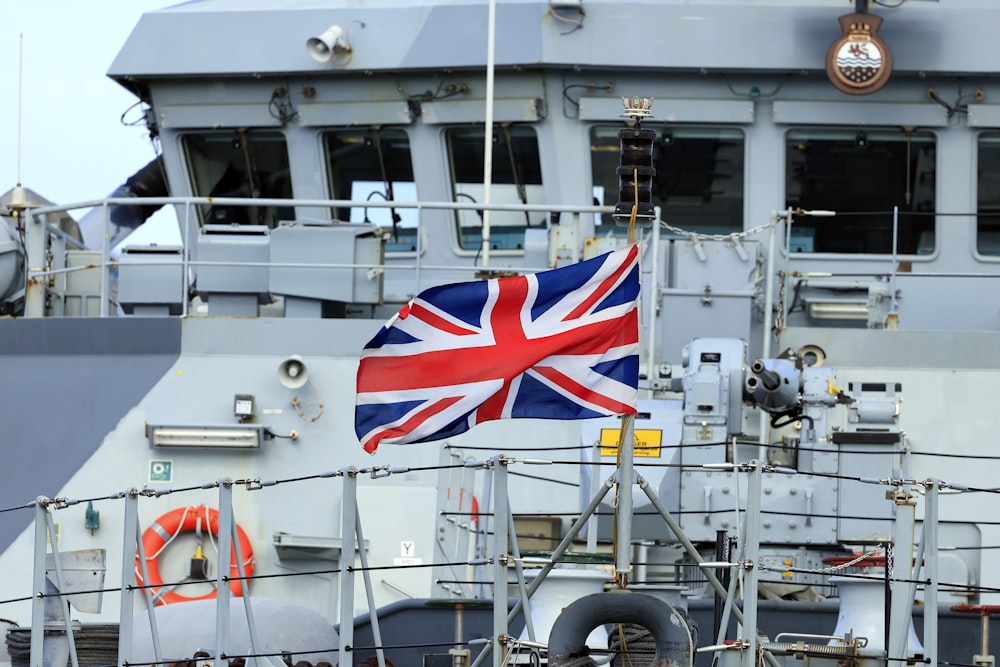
x: 65, y: 384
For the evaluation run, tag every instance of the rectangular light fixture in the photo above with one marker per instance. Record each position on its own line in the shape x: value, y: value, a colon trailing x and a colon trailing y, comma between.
x: 838, y: 310
x: 206, y: 437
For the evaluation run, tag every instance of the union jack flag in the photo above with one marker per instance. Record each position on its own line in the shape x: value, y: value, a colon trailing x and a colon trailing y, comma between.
x: 560, y: 344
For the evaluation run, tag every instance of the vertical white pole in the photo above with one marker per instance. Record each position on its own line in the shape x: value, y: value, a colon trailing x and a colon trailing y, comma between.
x: 931, y: 571
x: 752, y: 573
x: 225, y: 546
x: 623, y: 517
x: 38, y: 583
x: 501, y: 544
x: 348, y: 550
x: 488, y: 147
x: 900, y: 613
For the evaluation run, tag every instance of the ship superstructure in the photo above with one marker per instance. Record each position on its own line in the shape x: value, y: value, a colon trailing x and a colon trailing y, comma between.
x: 818, y: 261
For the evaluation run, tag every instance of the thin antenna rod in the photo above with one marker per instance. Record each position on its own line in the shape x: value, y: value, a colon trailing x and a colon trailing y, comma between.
x: 20, y: 84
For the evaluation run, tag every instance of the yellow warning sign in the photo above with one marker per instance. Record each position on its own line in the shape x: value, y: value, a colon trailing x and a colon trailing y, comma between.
x: 647, y: 442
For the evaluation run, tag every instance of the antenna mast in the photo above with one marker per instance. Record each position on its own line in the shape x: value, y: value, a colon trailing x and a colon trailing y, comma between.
x: 18, y: 202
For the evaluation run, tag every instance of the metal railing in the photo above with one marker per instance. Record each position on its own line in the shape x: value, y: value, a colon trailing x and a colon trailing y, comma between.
x: 43, y: 266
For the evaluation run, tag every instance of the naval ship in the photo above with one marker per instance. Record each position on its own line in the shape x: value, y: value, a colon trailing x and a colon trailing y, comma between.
x: 808, y: 185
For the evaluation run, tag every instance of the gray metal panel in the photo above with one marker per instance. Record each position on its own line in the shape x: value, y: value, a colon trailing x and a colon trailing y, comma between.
x: 984, y: 115
x: 925, y: 37
x: 240, y: 255
x: 217, y: 115
x: 938, y: 303
x: 334, y: 245
x: 275, y: 336
x: 859, y: 505
x: 896, y: 114
x: 353, y: 113
x: 525, y: 109
x: 898, y: 349
x: 396, y: 35
x: 673, y: 110
x: 151, y: 275
x: 713, y: 265
x: 74, y: 379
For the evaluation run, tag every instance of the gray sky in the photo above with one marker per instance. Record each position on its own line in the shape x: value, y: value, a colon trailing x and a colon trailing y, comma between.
x: 73, y: 145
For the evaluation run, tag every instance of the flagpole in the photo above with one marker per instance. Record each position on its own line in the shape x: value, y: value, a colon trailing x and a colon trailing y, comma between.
x: 623, y: 504
x: 488, y: 147
x: 626, y: 452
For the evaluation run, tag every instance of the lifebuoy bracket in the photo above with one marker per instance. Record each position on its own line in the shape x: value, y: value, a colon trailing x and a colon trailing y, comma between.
x: 568, y: 638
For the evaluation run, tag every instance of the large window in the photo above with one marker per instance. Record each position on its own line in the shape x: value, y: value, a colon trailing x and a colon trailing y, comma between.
x: 862, y: 175
x: 240, y: 163
x: 988, y: 194
x: 698, y: 182
x: 516, y: 179
x: 374, y: 165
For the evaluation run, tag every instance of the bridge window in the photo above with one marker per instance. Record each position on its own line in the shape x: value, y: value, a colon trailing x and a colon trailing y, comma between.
x: 988, y: 194
x: 862, y: 175
x: 239, y: 163
x: 516, y: 179
x: 374, y: 165
x: 699, y: 177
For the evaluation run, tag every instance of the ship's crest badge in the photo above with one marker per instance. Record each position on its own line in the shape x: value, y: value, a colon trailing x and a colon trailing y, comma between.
x: 859, y: 62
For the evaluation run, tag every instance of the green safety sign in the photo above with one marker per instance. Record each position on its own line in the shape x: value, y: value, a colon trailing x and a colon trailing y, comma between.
x: 161, y: 470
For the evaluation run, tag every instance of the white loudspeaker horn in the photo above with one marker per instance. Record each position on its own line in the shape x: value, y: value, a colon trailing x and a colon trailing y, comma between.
x: 321, y: 48
x: 292, y: 373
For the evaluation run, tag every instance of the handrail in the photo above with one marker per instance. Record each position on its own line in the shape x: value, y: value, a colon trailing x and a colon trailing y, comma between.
x: 326, y: 203
x: 39, y: 270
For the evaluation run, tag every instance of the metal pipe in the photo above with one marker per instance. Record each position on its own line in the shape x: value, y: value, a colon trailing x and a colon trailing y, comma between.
x: 105, y: 251
x: 900, y: 619
x: 43, y: 211
x: 185, y: 259
x: 224, y: 545
x: 61, y: 588
x: 895, y: 255
x: 420, y: 250
x: 654, y: 295
x: 522, y: 590
x: 369, y: 592
x: 721, y: 555
x: 501, y: 508
x: 772, y: 243
x: 38, y: 583
x: 483, y: 530
x: 348, y: 546
x: 488, y: 139
x: 244, y: 586
x: 931, y: 513
x: 623, y: 509
x: 130, y: 542
x: 34, y: 248
x: 129, y: 547
x: 677, y: 291
x: 751, y: 546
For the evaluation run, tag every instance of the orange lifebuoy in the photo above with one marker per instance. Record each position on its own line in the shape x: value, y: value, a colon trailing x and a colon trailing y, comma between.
x: 182, y: 520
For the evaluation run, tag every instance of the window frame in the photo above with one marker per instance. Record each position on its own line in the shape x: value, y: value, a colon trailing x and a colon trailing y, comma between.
x: 536, y: 172
x: 825, y: 133
x: 719, y: 132
x: 271, y: 216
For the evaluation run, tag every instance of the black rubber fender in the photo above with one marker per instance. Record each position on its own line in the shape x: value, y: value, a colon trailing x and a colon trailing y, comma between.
x: 568, y: 638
